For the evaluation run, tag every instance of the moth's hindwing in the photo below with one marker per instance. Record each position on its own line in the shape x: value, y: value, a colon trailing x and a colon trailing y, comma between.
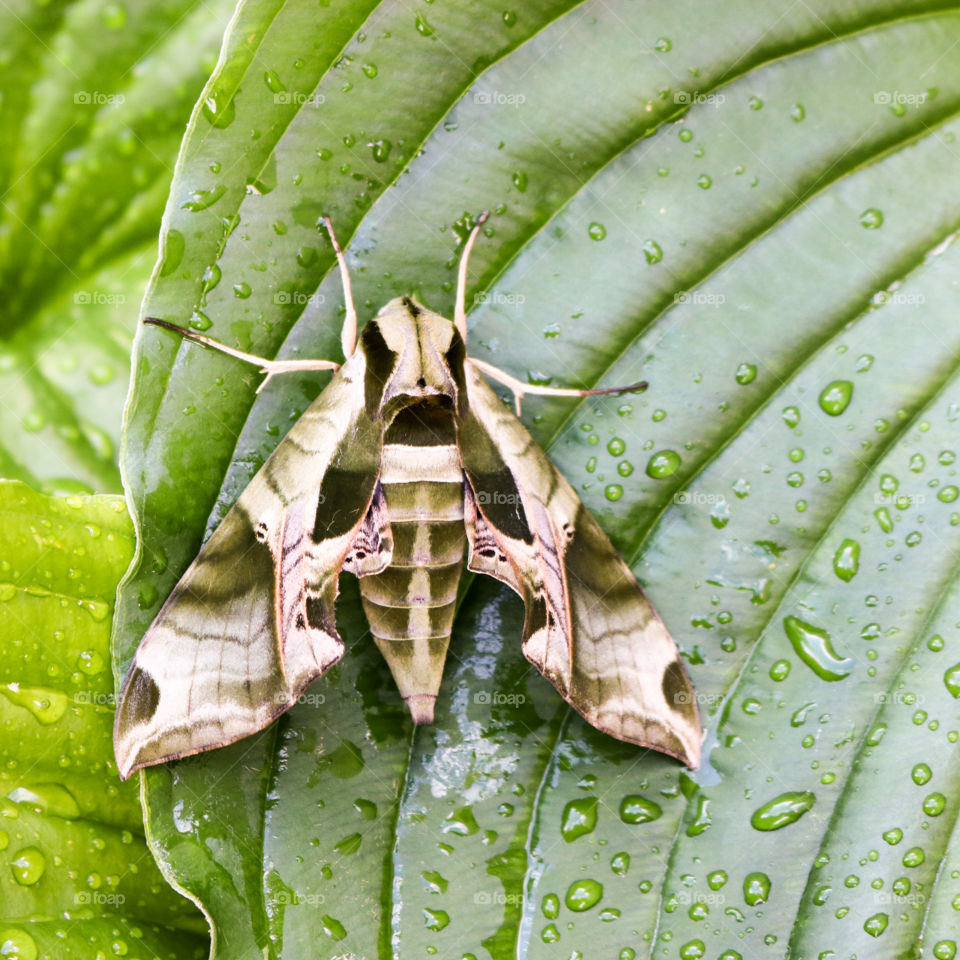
x: 590, y: 629
x: 251, y: 622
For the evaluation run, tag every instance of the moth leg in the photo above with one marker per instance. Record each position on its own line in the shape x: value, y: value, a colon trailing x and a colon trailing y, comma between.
x: 519, y: 388
x: 460, y: 310
x: 348, y: 335
x: 269, y: 367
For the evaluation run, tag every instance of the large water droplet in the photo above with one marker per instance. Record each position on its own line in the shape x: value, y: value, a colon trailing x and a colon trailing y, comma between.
x: 756, y: 888
x: 782, y: 810
x: 48, y: 706
x: 28, y: 866
x: 871, y: 218
x: 637, y: 809
x: 814, y: 646
x: 652, y: 251
x: 17, y: 945
x: 582, y: 895
x: 951, y: 680
x: 662, y: 464
x: 876, y: 924
x: 846, y: 561
x: 49, y: 798
x: 596, y: 231
x: 579, y: 818
x: 835, y: 397
x: 423, y: 28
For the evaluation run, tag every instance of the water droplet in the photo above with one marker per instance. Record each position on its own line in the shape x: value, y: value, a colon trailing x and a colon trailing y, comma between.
x: 219, y: 109
x: 871, y: 218
x: 883, y: 518
x: 520, y: 180
x: 948, y: 494
x: 797, y: 113
x: 582, y: 895
x: 620, y: 864
x: 756, y: 888
x: 435, y: 919
x: 48, y: 706
x: 370, y: 70
x: 509, y: 18
x: 702, y: 820
x: 945, y: 950
x: 17, y: 945
x: 366, y: 808
x: 28, y: 866
x: 579, y: 818
x: 613, y: 492
x: 686, y: 134
x: 951, y: 680
x: 637, y: 809
x: 652, y: 251
x: 349, y: 844
x: 791, y: 416
x: 846, y: 561
x: 273, y: 82
x: 913, y: 857
x: 423, y: 28
x: 551, y: 906
x: 704, y: 182
x: 50, y: 798
x: 921, y: 774
x: 663, y: 45
x: 381, y: 150
x: 333, y: 928
x: 746, y: 373
x: 199, y: 321
x: 596, y: 231
x: 693, y: 949
x: 876, y: 924
x: 780, y: 670
x: 203, y: 199
x: 242, y: 290
x: 782, y: 810
x: 835, y: 397
x: 814, y: 646
x: 663, y: 464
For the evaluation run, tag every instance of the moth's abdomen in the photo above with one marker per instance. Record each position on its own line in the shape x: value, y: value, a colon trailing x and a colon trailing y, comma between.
x: 410, y: 605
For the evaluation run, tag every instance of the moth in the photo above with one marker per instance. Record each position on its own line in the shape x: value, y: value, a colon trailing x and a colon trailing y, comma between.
x: 405, y: 466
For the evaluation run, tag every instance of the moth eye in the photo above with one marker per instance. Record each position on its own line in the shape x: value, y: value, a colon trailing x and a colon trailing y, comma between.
x: 360, y: 554
x: 301, y: 621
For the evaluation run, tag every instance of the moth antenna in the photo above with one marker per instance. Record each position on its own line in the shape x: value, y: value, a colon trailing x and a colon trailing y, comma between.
x: 460, y: 310
x: 269, y: 367
x: 519, y: 388
x: 348, y: 335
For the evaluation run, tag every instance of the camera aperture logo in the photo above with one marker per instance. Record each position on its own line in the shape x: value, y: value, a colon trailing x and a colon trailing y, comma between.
x: 497, y: 498
x: 499, y: 699
x: 97, y: 898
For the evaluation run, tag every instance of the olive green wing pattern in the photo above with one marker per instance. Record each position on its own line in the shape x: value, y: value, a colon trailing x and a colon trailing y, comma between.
x: 251, y: 622
x: 590, y: 629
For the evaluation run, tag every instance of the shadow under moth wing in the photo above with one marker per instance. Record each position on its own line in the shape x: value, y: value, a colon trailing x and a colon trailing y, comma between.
x: 407, y: 460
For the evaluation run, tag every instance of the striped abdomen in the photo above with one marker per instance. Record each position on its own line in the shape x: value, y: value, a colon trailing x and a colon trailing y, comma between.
x: 411, y: 604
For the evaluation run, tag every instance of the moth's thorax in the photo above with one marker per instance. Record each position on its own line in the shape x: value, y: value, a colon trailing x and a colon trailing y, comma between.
x: 412, y: 354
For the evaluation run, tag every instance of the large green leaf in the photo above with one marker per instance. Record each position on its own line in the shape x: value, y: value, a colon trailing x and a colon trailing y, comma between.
x: 750, y: 205
x: 77, y: 878
x: 94, y: 99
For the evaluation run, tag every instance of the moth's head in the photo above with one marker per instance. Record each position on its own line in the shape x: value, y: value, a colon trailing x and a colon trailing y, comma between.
x: 413, y: 355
